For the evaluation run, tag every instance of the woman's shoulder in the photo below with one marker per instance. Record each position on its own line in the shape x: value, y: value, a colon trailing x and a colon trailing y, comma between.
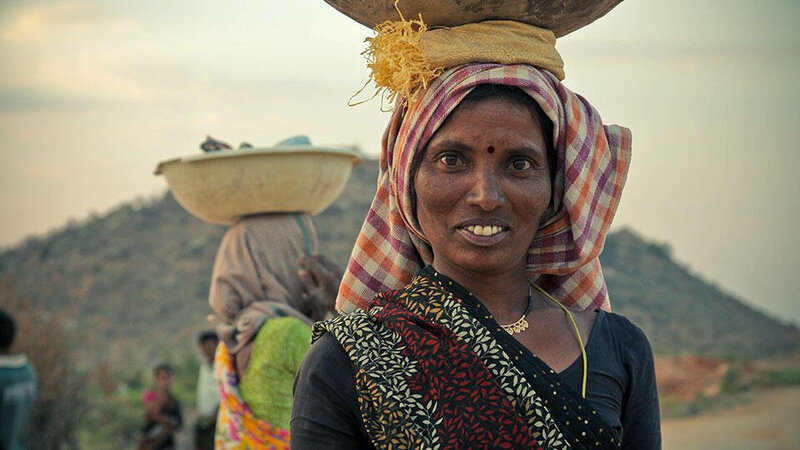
x: 326, y: 377
x: 624, y: 334
x: 325, y: 413
x: 362, y: 320
x: 620, y: 322
x: 325, y: 352
x: 342, y: 325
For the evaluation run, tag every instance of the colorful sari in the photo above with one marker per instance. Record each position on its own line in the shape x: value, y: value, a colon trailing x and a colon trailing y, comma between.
x: 434, y: 370
x: 237, y: 426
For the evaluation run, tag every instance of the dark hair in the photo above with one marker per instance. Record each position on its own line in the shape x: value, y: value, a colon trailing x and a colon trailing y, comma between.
x: 165, y: 367
x: 8, y: 329
x: 206, y: 336
x: 518, y: 96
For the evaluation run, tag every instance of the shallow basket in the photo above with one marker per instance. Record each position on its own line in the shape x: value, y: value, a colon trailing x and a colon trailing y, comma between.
x: 223, y: 186
x: 560, y: 16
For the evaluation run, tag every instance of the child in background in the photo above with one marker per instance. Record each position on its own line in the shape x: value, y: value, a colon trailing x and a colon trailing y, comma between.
x: 207, y: 393
x: 162, y: 412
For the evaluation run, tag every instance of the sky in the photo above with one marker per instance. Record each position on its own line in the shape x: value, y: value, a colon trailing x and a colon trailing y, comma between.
x: 94, y: 93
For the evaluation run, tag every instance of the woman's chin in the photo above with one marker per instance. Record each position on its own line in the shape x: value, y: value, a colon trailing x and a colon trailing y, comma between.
x: 479, y: 265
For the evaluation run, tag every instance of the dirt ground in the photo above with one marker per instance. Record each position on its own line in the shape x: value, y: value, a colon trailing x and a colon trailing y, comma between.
x: 684, y: 378
x: 769, y: 422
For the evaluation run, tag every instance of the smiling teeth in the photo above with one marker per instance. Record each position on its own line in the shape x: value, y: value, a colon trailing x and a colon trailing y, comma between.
x: 484, y: 231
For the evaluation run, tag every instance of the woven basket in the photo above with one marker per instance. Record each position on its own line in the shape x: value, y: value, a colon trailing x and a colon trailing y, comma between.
x: 560, y: 16
x: 224, y: 186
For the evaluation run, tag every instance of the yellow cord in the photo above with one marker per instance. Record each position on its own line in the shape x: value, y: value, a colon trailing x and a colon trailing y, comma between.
x: 577, y: 333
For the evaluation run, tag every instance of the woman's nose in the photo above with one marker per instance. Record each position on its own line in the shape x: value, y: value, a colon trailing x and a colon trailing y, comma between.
x: 486, y: 192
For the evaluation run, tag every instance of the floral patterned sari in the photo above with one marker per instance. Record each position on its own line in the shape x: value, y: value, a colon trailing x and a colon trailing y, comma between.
x: 434, y: 370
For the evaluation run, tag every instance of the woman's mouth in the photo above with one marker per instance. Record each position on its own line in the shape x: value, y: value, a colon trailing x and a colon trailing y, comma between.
x: 484, y: 230
x: 483, y: 235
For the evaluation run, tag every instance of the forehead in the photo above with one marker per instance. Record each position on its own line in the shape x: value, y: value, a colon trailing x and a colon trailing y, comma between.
x: 501, y: 116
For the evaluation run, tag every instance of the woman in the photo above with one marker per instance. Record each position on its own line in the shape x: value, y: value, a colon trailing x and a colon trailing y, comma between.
x: 497, y: 188
x: 266, y: 266
x: 267, y: 287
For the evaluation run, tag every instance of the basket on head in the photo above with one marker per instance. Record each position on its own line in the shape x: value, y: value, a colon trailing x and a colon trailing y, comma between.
x: 561, y: 16
x: 293, y: 176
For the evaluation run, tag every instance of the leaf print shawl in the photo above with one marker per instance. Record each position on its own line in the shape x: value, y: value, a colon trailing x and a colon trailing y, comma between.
x: 432, y: 371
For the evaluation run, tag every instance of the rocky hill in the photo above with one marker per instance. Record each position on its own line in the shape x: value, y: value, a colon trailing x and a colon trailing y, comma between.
x: 680, y: 312
x: 135, y: 283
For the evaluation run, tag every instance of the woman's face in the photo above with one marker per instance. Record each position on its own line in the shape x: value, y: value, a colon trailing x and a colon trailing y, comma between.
x: 482, y: 187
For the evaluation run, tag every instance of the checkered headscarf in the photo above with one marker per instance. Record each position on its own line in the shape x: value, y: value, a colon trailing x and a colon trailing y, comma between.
x: 592, y: 166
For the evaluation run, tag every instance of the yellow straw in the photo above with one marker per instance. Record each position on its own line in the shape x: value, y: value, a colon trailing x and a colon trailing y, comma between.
x: 396, y: 61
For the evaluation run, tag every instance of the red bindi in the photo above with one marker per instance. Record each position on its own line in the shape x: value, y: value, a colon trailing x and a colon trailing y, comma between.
x: 490, y: 149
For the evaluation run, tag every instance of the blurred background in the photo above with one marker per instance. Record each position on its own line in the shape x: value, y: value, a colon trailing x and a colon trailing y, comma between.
x: 108, y: 275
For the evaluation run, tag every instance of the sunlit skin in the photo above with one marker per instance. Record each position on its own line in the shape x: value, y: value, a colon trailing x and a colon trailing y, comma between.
x: 487, y: 167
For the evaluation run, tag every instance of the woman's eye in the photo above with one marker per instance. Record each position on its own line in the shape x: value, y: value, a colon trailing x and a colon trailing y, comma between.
x: 521, y: 164
x: 450, y: 160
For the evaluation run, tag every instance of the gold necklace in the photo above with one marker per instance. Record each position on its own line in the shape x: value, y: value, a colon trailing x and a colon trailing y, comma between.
x: 520, y: 325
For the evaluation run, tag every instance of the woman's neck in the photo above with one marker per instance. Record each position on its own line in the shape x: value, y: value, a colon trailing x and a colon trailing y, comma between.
x: 504, y: 294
